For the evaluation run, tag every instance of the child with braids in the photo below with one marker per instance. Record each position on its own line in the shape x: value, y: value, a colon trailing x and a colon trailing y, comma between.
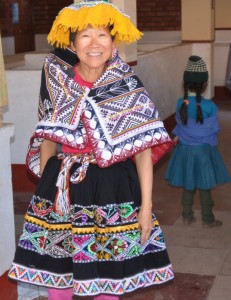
x: 196, y: 162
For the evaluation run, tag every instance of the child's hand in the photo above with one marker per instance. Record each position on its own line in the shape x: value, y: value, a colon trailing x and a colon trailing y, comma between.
x: 175, y: 140
x: 145, y: 224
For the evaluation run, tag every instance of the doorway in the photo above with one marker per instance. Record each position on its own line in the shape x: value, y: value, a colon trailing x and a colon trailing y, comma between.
x: 22, y: 13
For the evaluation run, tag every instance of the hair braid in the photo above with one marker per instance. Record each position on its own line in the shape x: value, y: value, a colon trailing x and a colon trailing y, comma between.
x: 184, y: 107
x: 199, y: 89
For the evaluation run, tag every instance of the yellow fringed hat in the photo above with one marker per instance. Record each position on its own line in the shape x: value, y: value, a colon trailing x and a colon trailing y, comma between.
x: 95, y: 13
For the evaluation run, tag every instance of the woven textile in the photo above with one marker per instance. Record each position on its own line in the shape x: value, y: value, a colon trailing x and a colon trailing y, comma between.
x: 116, y: 116
x: 94, y: 247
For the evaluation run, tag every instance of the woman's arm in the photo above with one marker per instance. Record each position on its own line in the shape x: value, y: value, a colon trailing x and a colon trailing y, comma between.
x: 48, y: 149
x: 144, y: 168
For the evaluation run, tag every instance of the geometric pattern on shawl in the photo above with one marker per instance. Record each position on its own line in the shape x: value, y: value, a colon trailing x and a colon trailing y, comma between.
x: 116, y: 116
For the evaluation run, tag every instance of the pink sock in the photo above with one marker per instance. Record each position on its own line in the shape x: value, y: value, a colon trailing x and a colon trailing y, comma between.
x: 60, y: 294
x: 106, y: 297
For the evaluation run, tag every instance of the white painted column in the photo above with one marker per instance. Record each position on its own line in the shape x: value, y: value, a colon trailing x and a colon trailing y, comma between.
x: 7, y: 229
x: 206, y: 50
x: 128, y: 52
x: 198, y: 28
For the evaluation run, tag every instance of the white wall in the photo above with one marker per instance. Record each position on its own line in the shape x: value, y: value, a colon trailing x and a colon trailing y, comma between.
x: 23, y: 91
x: 152, y: 41
x: 41, y: 42
x: 161, y: 73
x: 157, y: 40
x: 7, y: 231
x: 8, y: 47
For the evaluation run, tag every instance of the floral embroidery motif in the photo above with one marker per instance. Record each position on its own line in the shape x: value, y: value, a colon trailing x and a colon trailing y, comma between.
x: 117, y: 247
x: 68, y: 244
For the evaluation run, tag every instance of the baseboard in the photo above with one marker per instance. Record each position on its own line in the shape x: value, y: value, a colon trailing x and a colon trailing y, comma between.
x: 222, y: 93
x: 170, y: 123
x: 22, y: 180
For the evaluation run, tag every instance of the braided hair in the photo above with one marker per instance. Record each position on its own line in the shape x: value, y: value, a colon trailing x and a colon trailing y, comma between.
x: 198, y: 87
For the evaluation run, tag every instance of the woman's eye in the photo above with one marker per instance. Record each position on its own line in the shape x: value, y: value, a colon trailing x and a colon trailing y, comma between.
x: 83, y: 35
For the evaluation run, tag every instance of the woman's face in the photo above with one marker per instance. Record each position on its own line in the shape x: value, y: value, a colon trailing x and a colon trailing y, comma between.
x: 93, y: 47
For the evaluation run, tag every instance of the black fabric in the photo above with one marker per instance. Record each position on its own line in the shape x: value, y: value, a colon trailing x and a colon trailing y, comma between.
x: 97, y: 240
x: 34, y: 260
x: 117, y: 270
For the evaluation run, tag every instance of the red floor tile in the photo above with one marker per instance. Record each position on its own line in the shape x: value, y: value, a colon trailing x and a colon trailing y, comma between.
x: 8, y: 288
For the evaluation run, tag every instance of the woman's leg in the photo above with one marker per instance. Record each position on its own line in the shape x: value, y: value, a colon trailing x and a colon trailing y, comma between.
x: 106, y: 297
x: 60, y: 294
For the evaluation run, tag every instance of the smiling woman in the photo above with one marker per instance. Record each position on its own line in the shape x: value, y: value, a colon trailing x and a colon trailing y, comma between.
x: 89, y: 228
x: 93, y: 47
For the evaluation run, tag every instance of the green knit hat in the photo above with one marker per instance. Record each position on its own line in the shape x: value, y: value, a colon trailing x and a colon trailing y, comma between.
x: 196, y: 70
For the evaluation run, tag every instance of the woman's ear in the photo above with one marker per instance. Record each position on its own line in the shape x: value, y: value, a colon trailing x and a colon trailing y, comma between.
x: 73, y: 47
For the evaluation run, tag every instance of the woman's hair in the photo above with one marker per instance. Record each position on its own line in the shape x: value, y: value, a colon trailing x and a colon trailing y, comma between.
x: 198, y: 87
x: 73, y: 34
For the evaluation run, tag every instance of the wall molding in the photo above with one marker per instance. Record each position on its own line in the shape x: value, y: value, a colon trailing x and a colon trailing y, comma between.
x: 222, y: 94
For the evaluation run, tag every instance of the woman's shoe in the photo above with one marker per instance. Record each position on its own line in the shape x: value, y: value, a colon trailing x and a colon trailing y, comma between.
x: 189, y: 221
x: 215, y: 223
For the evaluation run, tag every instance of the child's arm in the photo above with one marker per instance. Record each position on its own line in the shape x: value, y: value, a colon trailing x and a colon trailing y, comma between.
x: 145, y: 173
x: 48, y: 149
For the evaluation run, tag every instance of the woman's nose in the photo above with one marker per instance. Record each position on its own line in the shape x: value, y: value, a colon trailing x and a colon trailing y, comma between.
x: 94, y: 41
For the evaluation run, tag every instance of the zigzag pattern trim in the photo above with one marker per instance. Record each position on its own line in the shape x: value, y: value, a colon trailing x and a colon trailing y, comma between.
x: 40, y: 277
x: 95, y: 286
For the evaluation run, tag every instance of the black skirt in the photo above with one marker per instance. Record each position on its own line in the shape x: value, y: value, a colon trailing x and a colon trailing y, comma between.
x: 94, y: 248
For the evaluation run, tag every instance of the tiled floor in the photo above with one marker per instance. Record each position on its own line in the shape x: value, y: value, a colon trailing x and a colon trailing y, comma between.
x: 201, y: 257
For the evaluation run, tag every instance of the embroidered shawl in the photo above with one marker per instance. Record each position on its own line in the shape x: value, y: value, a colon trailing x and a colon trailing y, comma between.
x: 116, y: 116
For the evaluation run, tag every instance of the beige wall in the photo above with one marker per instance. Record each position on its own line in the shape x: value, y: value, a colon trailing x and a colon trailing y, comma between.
x: 128, y: 52
x: 197, y: 20
x: 223, y: 14
x: 3, y: 88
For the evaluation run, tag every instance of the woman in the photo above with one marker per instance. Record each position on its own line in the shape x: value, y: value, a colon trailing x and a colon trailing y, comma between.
x: 89, y: 229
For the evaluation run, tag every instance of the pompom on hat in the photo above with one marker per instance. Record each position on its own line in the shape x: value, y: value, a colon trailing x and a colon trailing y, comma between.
x: 196, y: 70
x: 81, y: 14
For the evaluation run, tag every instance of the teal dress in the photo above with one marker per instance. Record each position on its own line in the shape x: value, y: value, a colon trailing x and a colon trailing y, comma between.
x: 196, y: 162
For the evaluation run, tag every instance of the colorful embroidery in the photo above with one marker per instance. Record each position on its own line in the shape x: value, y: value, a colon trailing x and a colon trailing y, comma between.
x: 117, y: 115
x: 95, y: 286
x: 107, y: 233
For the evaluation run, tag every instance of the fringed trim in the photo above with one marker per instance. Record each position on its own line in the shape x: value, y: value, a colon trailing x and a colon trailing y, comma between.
x: 62, y: 200
x: 102, y: 14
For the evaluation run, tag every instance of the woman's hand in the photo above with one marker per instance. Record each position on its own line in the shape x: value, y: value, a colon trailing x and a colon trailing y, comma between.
x: 144, y: 168
x: 145, y: 223
x: 48, y: 149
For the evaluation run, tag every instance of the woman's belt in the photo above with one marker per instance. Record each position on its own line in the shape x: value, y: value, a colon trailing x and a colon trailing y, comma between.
x: 62, y: 201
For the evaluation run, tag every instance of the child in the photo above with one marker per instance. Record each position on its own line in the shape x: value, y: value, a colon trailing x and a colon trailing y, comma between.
x: 89, y: 228
x: 196, y: 162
